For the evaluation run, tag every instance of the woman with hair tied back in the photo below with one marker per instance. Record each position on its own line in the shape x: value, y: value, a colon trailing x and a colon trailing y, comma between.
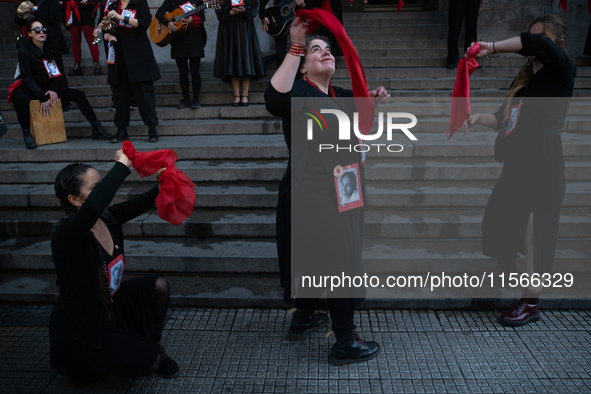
x: 40, y: 79
x: 100, y: 324
x: 523, y: 211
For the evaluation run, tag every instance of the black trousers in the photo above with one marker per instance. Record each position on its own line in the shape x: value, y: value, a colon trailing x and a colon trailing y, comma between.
x: 185, y: 65
x: 341, y: 312
x: 144, y: 95
x: 458, y: 11
x: 22, y: 96
x: 60, y: 64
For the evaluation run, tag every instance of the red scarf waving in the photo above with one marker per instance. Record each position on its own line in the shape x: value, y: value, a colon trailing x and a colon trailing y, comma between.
x: 176, y: 198
x: 460, y: 98
x: 324, y: 16
x: 401, y: 3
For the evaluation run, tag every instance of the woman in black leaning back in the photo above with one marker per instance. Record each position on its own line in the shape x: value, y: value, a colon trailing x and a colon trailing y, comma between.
x: 100, y: 324
x: 40, y: 79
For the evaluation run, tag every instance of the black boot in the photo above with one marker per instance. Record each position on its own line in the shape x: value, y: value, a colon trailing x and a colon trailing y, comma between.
x: 185, y: 103
x: 303, y: 323
x: 66, y: 106
x: 97, y: 69
x: 152, y: 133
x: 29, y: 143
x: 121, y: 135
x: 350, y: 349
x: 168, y: 368
x: 98, y: 133
x: 195, y: 104
x: 76, y: 70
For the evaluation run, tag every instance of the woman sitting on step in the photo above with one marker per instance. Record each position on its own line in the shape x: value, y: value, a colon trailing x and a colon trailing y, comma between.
x: 523, y: 211
x: 100, y: 324
x: 40, y: 79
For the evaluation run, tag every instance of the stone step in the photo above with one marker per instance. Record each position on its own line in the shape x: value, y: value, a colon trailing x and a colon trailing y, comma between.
x: 259, y: 256
x: 427, y: 194
x: 397, y: 30
x: 393, y: 15
x: 376, y: 169
x: 451, y: 223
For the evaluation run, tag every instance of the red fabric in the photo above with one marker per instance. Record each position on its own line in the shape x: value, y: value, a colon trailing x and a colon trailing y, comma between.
x: 25, y: 32
x: 400, y: 4
x: 197, y: 22
x: 318, y: 17
x: 71, y: 6
x: 11, y: 88
x: 76, y: 33
x: 589, y: 4
x: 330, y: 88
x: 460, y: 98
x: 564, y: 4
x: 176, y: 198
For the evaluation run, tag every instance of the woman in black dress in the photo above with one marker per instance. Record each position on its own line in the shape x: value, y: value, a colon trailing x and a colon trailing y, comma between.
x: 326, y: 230
x: 83, y: 25
x: 523, y: 211
x: 238, y: 53
x: 187, y: 49
x: 100, y: 324
x: 132, y: 66
x: 40, y: 79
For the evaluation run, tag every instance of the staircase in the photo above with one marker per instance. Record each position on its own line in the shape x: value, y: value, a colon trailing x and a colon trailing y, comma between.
x: 225, y: 253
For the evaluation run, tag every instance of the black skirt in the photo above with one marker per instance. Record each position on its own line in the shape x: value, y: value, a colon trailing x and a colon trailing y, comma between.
x: 129, y: 345
x: 238, y: 53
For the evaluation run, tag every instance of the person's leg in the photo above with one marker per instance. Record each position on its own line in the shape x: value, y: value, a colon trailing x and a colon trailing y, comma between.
x: 196, y: 80
x: 94, y: 50
x: 183, y: 66
x: 79, y: 97
x: 60, y: 64
x: 76, y: 32
x: 526, y: 310
x: 245, y: 89
x: 471, y: 17
x: 146, y: 99
x: 306, y: 319
x: 349, y: 347
x: 455, y: 20
x: 236, y: 89
x: 121, y: 98
x: 21, y: 97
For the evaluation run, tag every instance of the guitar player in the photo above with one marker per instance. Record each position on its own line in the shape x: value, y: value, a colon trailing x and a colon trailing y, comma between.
x: 187, y: 49
x: 280, y: 41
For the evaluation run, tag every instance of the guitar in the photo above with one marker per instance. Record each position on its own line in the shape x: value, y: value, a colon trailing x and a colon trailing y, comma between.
x: 159, y: 33
x: 280, y: 17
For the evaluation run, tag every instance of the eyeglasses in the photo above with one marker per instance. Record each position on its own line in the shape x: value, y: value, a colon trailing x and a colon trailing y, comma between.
x: 38, y: 30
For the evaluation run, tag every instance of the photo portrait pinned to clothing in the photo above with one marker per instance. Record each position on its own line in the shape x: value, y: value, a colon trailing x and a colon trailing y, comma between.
x: 348, y: 187
x: 115, y: 270
x: 51, y: 68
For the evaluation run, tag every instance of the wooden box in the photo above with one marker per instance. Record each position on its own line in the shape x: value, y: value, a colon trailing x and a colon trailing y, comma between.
x: 47, y: 129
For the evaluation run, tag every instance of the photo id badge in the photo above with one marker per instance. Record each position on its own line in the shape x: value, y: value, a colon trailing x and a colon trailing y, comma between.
x: 115, y: 270
x: 348, y: 187
x: 236, y: 3
x: 51, y: 68
x: 127, y: 13
x: 187, y: 7
x: 111, y: 54
x: 515, y: 109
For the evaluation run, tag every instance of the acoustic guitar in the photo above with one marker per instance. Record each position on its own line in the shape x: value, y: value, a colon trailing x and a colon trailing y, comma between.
x: 280, y: 17
x: 159, y: 33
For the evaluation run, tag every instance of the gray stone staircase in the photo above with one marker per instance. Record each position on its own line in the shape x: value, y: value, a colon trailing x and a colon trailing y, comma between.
x: 424, y: 206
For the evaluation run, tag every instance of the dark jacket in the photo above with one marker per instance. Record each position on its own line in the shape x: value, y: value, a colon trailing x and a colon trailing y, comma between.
x: 139, y: 58
x: 33, y: 72
x: 191, y: 43
x: 87, y: 13
x: 49, y: 11
x: 75, y: 259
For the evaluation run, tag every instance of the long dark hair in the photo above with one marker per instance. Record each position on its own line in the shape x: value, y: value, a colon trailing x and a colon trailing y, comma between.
x: 69, y: 181
x: 49, y: 45
x: 551, y: 23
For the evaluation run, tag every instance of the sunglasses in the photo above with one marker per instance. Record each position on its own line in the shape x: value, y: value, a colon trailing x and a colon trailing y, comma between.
x: 38, y: 30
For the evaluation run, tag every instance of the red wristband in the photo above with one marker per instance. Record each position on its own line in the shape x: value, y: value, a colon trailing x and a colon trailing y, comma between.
x: 297, y: 49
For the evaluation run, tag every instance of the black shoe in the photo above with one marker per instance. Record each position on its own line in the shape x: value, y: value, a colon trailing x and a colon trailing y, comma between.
x: 152, y: 134
x: 195, y: 104
x: 242, y: 103
x: 112, y: 107
x: 168, y: 367
x: 236, y: 103
x: 302, y: 324
x: 82, y: 379
x: 98, y: 133
x: 97, y: 69
x: 121, y: 135
x: 185, y: 103
x: 450, y: 65
x: 76, y: 70
x: 29, y: 143
x: 66, y: 106
x: 350, y: 349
